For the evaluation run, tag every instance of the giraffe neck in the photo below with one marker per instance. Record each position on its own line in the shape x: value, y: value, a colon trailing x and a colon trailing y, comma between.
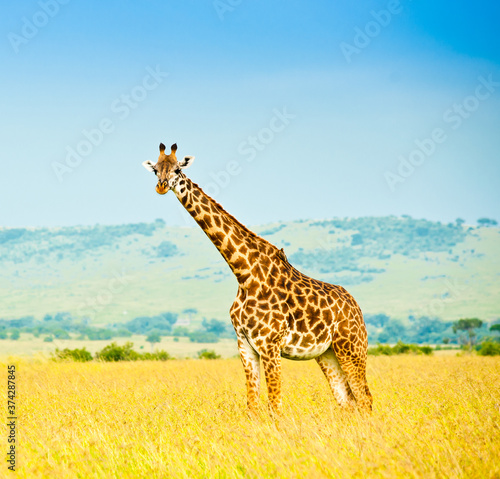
x: 240, y: 247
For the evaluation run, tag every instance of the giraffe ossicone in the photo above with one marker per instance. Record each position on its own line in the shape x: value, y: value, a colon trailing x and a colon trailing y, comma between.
x: 278, y: 311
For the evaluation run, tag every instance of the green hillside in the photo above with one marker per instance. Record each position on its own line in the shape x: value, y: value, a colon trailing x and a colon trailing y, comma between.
x: 397, y: 266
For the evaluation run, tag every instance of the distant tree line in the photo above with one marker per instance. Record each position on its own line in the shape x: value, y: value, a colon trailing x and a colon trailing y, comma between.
x: 372, y: 237
x: 376, y: 238
x: 60, y: 326
x: 467, y: 332
x: 72, y: 241
x: 211, y: 331
x: 63, y: 326
x: 487, y: 222
x: 420, y: 330
x: 427, y: 330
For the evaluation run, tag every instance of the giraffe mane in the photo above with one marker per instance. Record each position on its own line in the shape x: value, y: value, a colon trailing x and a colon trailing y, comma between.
x: 233, y: 219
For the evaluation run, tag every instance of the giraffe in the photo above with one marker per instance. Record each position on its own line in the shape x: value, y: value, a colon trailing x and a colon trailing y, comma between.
x: 278, y: 312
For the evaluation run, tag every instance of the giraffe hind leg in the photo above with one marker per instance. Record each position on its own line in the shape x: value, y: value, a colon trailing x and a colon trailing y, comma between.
x: 354, y: 367
x: 336, y: 378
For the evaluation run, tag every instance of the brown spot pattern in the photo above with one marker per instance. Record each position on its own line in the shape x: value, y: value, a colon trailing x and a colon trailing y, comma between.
x: 280, y: 310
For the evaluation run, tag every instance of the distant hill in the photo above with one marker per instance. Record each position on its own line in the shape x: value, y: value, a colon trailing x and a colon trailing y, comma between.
x: 398, y: 266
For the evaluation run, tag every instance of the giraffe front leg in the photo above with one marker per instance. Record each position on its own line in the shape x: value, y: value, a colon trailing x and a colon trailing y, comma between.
x: 251, y: 364
x: 271, y: 360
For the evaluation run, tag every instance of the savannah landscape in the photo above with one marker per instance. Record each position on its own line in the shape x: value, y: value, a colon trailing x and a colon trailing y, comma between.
x: 435, y: 417
x: 359, y: 143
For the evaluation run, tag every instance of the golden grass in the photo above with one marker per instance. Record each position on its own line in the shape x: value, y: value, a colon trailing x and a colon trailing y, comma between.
x: 433, y: 417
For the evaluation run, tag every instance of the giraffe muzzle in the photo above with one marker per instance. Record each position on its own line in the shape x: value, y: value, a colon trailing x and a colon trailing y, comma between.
x: 162, y: 188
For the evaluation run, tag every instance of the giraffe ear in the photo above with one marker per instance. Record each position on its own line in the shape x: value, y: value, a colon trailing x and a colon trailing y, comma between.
x: 186, y: 162
x: 149, y: 165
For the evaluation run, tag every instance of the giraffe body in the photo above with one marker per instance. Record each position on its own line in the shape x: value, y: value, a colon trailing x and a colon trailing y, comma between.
x: 278, y: 311
x: 296, y: 317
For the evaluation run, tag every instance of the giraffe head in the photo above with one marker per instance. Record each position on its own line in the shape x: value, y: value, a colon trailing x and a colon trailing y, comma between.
x: 167, y: 168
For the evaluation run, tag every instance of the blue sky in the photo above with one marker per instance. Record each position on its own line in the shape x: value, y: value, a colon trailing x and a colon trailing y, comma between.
x: 293, y: 109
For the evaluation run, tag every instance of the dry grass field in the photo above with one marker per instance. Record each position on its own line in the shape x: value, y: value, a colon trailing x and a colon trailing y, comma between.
x: 435, y: 417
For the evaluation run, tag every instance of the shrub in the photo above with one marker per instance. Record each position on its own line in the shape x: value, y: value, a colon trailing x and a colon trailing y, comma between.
x: 113, y: 352
x: 146, y: 324
x: 80, y: 355
x: 156, y: 356
x: 356, y: 239
x: 489, y: 348
x: 15, y: 335
x: 61, y: 334
x: 180, y: 331
x: 203, y: 337
x: 11, y: 234
x: 486, y: 222
x: 48, y: 339
x: 123, y: 333
x: 214, y: 326
x: 399, y: 348
x: 24, y: 322
x: 381, y: 349
x: 3, y: 335
x: 208, y: 354
x: 95, y: 334
x: 166, y: 249
x: 153, y: 337
x: 425, y: 350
